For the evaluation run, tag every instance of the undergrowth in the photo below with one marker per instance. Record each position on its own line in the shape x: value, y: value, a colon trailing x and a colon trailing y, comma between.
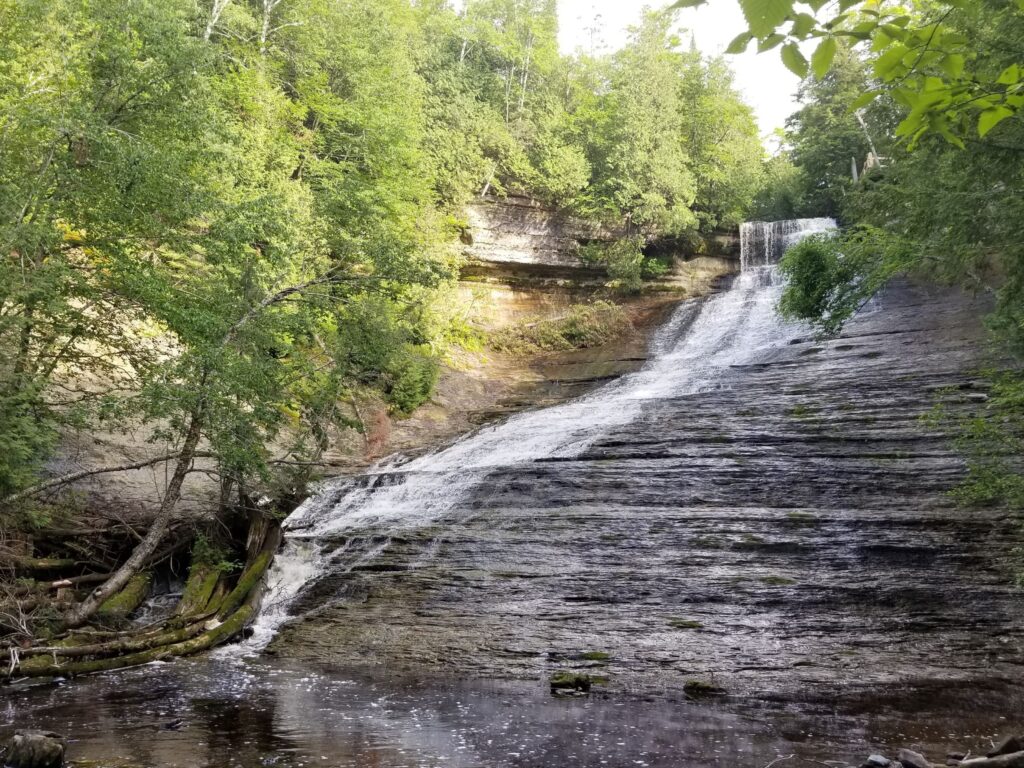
x: 584, y: 326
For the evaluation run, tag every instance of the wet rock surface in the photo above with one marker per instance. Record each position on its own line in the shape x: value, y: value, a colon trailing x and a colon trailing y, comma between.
x: 783, y: 533
x: 35, y: 749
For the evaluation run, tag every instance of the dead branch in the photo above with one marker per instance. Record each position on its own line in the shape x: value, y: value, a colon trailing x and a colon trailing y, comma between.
x: 35, y: 490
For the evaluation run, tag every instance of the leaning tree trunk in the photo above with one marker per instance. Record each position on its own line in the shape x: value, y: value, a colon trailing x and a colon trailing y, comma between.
x: 85, y: 610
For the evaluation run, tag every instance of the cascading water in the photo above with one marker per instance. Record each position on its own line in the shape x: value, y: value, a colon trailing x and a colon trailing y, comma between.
x: 689, y: 354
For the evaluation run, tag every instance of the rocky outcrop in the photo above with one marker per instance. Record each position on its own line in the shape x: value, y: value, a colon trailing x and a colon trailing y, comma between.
x: 518, y: 230
x: 35, y: 749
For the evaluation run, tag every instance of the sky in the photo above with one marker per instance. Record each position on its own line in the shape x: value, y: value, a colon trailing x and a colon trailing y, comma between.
x: 765, y: 83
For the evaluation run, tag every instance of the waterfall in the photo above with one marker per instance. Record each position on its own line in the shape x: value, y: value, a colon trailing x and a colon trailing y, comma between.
x: 690, y: 353
x: 763, y: 242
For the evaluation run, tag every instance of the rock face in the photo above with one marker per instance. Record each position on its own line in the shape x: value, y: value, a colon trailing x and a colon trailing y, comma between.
x: 35, y: 749
x: 525, y: 237
x: 784, y: 529
x: 518, y: 230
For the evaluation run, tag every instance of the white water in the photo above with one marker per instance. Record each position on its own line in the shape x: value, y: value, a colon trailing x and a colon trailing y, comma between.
x: 689, y: 354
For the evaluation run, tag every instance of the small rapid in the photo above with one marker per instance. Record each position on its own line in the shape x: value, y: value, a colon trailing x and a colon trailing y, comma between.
x: 351, y: 521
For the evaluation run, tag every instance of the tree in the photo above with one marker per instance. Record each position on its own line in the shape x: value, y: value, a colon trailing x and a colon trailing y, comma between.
x: 826, y: 136
x: 644, y: 169
x: 722, y: 141
x: 920, y: 56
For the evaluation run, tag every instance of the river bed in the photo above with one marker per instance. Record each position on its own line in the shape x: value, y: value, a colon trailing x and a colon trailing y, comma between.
x: 218, y: 713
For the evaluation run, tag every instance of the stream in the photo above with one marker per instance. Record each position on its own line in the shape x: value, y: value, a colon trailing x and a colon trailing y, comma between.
x: 755, y: 514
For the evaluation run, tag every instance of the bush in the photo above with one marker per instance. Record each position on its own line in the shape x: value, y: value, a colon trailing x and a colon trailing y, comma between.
x: 831, y: 277
x: 412, y: 376
x: 585, y: 326
x: 626, y: 263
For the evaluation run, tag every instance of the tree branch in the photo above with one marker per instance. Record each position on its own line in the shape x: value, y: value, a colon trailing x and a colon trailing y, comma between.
x: 34, y: 490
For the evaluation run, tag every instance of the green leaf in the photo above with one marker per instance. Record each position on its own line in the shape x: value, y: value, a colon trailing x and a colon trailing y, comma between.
x: 688, y: 3
x: 895, y: 31
x: 886, y: 64
x: 864, y: 99
x: 992, y: 117
x: 802, y: 25
x: 823, y: 56
x: 953, y: 65
x: 770, y: 42
x: 794, y: 60
x: 865, y: 27
x: 941, y: 125
x: 1010, y: 75
x: 763, y: 16
x: 880, y: 41
x: 739, y: 43
x: 911, y: 124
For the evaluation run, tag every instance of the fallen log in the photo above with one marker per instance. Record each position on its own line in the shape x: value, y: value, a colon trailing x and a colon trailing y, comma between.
x: 117, y: 608
x: 199, y: 589
x: 234, y: 611
x: 44, y: 666
x: 128, y: 644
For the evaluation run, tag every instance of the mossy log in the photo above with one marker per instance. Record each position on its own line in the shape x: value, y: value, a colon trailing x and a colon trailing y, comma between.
x: 120, y: 645
x: 202, y: 581
x: 48, y: 666
x: 219, y: 593
x: 117, y: 608
x: 236, y: 610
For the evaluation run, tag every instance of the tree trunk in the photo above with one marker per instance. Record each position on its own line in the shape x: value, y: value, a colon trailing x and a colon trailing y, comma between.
x: 218, y: 9
x: 268, y: 11
x: 85, y: 610
x: 524, y: 83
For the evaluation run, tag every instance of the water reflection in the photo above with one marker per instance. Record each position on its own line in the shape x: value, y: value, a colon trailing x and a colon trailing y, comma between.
x: 220, y: 714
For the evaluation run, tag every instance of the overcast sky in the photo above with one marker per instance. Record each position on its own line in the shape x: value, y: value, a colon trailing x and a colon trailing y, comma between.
x: 762, y: 79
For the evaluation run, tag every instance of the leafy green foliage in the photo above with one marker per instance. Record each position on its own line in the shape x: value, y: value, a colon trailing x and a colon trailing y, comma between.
x: 627, y: 264
x: 993, y: 440
x: 920, y: 56
x: 653, y: 136
x: 830, y: 278
x: 218, y: 220
x: 189, y: 221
